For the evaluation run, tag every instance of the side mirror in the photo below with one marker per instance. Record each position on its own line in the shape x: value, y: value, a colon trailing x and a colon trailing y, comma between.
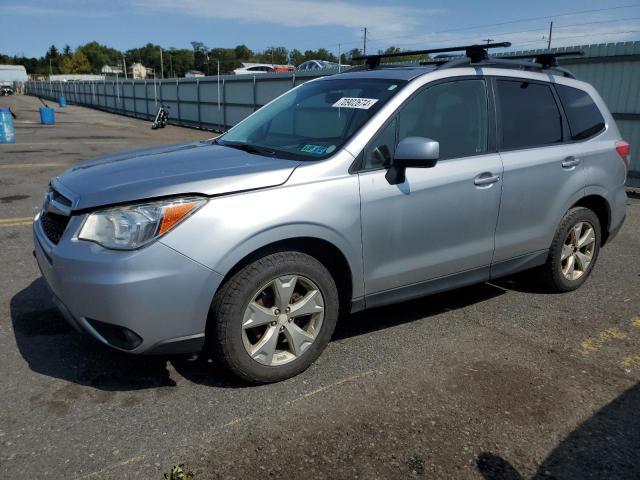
x: 412, y: 152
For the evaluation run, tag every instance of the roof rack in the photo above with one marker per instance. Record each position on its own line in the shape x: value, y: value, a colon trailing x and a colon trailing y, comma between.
x: 548, y: 60
x: 474, y: 52
x: 477, y: 55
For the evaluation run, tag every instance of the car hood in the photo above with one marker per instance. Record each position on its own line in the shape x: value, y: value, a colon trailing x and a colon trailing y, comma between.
x: 192, y: 168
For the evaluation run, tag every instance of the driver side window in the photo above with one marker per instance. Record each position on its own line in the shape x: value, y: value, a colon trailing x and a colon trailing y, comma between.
x: 452, y: 113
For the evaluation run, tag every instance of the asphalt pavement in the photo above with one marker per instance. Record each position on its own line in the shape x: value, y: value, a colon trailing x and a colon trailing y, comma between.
x: 498, y: 381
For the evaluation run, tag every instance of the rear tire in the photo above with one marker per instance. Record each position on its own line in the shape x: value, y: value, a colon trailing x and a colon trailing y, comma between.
x: 574, y: 250
x: 253, y: 338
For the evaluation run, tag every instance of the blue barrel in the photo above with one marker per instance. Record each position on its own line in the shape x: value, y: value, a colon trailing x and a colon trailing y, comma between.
x: 62, y: 101
x: 7, y: 134
x: 47, y: 116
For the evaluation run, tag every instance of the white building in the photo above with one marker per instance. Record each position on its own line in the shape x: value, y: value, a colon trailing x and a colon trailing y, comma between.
x: 12, y: 73
x: 138, y: 71
x: 193, y: 74
x: 111, y: 70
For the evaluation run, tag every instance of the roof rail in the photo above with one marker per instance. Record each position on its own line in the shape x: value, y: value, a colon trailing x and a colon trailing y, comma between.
x: 546, y: 59
x: 474, y: 52
x: 539, y: 61
x: 477, y: 55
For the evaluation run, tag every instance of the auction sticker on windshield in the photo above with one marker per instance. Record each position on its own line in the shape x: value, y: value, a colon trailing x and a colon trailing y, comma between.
x: 355, y: 102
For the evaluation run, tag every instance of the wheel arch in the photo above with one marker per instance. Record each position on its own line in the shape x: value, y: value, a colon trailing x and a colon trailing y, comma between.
x: 600, y: 206
x: 322, y: 250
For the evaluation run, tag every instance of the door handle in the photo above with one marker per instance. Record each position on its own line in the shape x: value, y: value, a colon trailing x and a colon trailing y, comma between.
x: 570, y: 162
x: 485, y: 179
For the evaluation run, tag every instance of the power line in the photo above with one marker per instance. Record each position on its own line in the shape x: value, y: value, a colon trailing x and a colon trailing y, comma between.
x: 530, y: 19
x: 545, y: 17
x: 584, y: 35
x: 504, y: 34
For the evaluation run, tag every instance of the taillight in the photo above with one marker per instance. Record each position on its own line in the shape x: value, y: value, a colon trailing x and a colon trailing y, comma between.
x: 624, y: 149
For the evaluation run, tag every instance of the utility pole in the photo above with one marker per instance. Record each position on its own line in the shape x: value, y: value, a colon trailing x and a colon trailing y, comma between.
x: 550, y: 33
x: 124, y: 66
x: 50, y: 68
x: 218, y: 82
x: 364, y: 49
x: 488, y: 40
x: 339, y: 58
x: 161, y: 65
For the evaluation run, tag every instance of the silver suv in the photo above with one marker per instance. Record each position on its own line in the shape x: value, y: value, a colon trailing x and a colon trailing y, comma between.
x: 348, y: 192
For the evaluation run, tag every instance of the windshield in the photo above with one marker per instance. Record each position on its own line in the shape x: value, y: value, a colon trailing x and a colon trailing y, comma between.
x: 314, y: 120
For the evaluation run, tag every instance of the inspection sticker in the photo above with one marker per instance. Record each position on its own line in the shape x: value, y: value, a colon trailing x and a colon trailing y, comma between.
x: 314, y: 149
x: 355, y: 102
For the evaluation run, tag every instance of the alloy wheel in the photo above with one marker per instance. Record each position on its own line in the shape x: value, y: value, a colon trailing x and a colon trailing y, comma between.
x: 577, y: 250
x: 282, y: 320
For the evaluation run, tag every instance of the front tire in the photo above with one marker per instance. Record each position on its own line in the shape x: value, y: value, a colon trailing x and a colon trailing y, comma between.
x: 273, y: 318
x: 574, y: 250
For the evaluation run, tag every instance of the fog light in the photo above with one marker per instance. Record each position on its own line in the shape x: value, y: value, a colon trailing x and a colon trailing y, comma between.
x: 116, y: 335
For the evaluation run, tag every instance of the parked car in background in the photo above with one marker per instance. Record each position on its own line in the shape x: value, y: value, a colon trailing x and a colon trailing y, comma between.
x: 284, y: 68
x: 6, y: 90
x: 253, y: 68
x: 316, y: 65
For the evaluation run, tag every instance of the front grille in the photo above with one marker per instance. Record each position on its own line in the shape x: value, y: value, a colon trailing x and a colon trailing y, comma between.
x: 53, y: 225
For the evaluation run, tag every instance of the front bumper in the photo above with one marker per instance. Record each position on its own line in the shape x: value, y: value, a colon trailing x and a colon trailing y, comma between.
x: 158, y: 294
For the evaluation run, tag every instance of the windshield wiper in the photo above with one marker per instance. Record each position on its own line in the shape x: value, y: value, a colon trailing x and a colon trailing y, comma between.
x: 247, y: 147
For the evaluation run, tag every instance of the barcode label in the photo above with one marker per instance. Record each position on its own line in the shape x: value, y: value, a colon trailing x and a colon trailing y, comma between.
x: 354, y: 102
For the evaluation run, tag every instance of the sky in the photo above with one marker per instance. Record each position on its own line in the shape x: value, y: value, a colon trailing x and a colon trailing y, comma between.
x: 29, y: 27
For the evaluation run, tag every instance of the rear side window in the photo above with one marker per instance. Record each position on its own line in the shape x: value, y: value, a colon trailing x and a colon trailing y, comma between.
x: 585, y: 119
x: 529, y: 113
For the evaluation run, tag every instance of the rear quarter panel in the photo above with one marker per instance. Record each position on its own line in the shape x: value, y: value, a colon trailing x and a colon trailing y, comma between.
x: 605, y: 172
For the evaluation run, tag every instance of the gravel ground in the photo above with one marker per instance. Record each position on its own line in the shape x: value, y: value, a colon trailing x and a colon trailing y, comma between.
x: 496, y: 381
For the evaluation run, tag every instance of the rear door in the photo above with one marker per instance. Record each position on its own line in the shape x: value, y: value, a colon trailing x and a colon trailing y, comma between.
x: 542, y: 171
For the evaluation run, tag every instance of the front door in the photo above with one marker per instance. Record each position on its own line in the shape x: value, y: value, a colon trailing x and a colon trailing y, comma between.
x: 441, y: 221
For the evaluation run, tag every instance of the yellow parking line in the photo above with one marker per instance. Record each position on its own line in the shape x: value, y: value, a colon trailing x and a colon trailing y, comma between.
x: 631, y: 361
x: 593, y: 344
x: 15, y: 219
x: 15, y: 222
x: 30, y: 165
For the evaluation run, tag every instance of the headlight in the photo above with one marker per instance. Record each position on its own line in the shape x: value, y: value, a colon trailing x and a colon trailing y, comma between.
x: 132, y: 226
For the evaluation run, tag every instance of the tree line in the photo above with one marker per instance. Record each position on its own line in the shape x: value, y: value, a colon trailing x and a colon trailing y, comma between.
x: 92, y: 56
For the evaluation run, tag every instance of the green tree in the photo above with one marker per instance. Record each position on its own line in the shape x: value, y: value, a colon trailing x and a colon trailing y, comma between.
x: 296, y: 57
x: 402, y: 58
x: 148, y: 55
x: 243, y: 52
x: 320, y: 54
x: 200, y: 56
x: 178, y: 61
x: 52, y: 52
x: 76, y: 63
x: 226, y: 57
x: 100, y: 55
x: 354, y: 52
x: 274, y: 55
